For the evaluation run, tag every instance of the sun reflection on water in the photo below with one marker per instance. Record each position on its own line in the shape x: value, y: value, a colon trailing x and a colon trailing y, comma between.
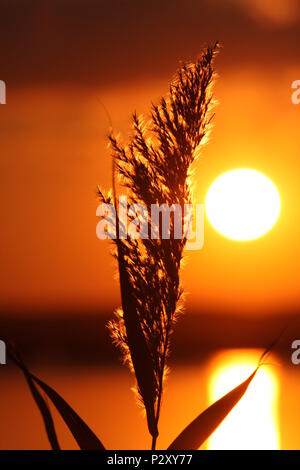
x: 253, y: 423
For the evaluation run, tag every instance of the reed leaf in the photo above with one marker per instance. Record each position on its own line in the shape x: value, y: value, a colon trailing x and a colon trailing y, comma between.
x: 199, y: 430
x: 83, y: 435
x: 139, y: 352
x: 41, y: 404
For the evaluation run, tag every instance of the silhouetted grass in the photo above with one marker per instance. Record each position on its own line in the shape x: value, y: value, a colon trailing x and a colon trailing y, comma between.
x: 83, y: 435
x: 154, y: 168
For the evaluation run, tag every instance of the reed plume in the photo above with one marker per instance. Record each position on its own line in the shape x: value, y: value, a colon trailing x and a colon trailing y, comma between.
x: 155, y: 168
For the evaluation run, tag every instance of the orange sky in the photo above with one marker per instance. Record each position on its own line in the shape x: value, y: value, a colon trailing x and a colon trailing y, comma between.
x: 54, y: 154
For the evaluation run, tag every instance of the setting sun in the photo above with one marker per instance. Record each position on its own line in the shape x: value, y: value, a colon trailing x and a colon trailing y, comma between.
x: 242, y: 204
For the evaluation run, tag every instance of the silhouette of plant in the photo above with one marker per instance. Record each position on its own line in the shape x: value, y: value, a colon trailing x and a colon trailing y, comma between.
x: 154, y: 168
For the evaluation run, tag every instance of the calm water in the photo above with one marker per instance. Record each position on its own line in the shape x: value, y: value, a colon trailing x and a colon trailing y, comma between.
x: 103, y: 398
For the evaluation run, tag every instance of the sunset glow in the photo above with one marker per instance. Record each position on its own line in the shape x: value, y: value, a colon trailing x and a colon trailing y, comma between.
x: 149, y: 245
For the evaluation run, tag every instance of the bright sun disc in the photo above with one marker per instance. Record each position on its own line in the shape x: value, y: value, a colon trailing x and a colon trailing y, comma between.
x: 242, y: 204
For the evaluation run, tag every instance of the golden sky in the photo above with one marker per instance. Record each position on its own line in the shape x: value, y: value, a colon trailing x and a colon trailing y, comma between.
x: 53, y: 146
